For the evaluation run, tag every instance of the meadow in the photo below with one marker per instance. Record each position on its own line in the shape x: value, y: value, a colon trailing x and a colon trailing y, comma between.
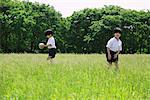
x: 73, y: 77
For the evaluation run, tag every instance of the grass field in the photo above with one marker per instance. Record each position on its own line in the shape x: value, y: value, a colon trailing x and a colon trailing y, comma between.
x: 73, y: 77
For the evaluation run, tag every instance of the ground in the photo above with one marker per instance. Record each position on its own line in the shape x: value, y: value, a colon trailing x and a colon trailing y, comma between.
x: 73, y: 76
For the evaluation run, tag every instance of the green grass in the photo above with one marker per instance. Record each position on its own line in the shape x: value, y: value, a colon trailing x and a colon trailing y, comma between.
x: 73, y: 77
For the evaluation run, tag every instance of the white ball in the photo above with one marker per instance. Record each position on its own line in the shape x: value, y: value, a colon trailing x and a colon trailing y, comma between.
x: 41, y: 45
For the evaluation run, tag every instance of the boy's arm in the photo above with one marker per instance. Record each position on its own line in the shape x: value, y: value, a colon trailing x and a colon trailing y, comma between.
x: 109, y: 55
x: 47, y: 45
x: 118, y: 53
x: 108, y: 51
x: 109, y: 43
x: 119, y: 49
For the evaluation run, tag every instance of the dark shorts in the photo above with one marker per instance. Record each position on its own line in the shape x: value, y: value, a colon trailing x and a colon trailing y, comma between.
x: 112, y: 53
x: 52, y: 53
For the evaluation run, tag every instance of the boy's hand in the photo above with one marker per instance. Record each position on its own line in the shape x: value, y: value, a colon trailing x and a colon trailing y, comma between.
x: 109, y: 56
x: 115, y: 56
x: 43, y: 46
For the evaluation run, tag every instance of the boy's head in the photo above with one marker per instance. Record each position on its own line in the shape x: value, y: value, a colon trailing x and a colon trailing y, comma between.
x: 48, y: 33
x: 117, y: 32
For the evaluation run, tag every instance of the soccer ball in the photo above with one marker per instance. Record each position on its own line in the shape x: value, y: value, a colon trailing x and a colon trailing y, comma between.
x: 41, y: 45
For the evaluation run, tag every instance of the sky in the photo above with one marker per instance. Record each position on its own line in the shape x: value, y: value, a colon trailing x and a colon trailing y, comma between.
x: 67, y: 7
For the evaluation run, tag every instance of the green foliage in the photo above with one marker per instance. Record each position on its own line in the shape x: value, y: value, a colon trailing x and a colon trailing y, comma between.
x: 24, y: 24
x: 87, y: 31
x: 92, y: 28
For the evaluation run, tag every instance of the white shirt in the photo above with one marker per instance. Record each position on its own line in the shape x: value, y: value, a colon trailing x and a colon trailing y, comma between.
x: 51, y: 41
x: 114, y: 45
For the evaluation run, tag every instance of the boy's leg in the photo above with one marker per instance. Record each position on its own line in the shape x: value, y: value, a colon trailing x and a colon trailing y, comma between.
x: 109, y: 61
x: 117, y: 65
x: 109, y: 65
x: 49, y: 57
x: 52, y: 60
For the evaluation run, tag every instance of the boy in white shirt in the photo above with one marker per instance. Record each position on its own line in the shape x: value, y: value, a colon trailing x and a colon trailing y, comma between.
x: 114, y: 46
x: 51, y: 45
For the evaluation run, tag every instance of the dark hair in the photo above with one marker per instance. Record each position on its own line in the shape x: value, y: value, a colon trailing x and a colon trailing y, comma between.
x: 117, y: 29
x: 48, y: 32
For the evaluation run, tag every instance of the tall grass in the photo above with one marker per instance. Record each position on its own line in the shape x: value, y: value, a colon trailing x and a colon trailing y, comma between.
x: 73, y: 77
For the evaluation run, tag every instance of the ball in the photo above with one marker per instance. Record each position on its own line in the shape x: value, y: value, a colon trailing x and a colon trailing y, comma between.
x: 41, y: 45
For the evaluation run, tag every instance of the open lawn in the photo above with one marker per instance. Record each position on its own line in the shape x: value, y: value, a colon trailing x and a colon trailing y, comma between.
x: 73, y: 77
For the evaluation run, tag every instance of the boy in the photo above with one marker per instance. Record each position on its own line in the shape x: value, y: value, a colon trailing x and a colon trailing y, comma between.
x: 50, y: 45
x: 114, y: 46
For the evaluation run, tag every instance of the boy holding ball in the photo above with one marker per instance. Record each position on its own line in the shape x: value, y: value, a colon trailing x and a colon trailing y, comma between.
x: 51, y: 45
